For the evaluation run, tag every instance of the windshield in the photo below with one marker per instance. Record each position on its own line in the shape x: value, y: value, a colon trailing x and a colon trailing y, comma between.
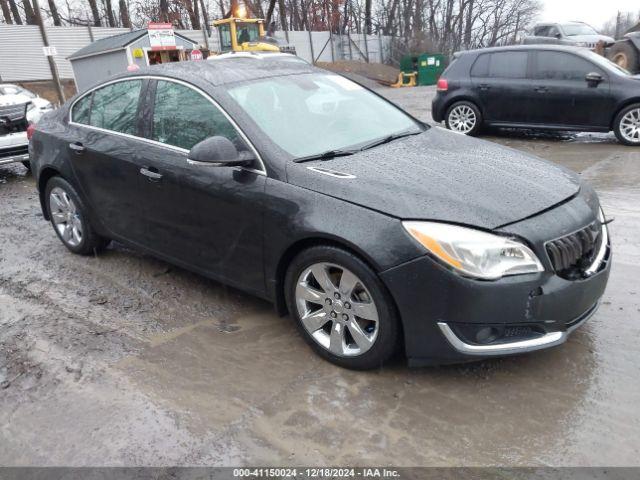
x: 573, y: 30
x: 313, y: 113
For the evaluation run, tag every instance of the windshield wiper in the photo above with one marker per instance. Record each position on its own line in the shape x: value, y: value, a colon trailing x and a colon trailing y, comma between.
x: 328, y: 155
x: 389, y: 138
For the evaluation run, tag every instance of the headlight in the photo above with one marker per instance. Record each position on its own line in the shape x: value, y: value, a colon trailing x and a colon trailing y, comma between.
x: 473, y: 252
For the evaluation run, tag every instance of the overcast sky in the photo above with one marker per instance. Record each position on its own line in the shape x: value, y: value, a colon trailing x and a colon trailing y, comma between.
x: 594, y: 12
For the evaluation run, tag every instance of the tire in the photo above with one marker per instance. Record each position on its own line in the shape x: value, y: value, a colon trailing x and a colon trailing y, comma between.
x: 27, y: 165
x: 69, y: 218
x: 626, y: 125
x: 625, y: 54
x: 464, y: 117
x: 366, y: 327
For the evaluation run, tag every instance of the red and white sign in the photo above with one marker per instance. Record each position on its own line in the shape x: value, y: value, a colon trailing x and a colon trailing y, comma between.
x: 196, y: 54
x: 161, y: 36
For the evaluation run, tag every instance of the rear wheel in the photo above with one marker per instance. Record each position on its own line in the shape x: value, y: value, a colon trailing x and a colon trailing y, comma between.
x: 70, y: 220
x: 627, y: 125
x: 342, y: 308
x: 625, y: 55
x: 464, y: 117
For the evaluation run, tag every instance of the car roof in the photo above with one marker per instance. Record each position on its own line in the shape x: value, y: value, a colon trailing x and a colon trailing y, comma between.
x: 220, y: 73
x: 256, y: 56
x: 571, y: 22
x: 545, y: 47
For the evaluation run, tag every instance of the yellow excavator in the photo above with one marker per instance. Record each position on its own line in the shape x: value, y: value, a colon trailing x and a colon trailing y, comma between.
x: 238, y: 34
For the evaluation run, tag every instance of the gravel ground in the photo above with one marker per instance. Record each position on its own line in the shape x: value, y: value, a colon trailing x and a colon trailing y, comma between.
x: 122, y: 359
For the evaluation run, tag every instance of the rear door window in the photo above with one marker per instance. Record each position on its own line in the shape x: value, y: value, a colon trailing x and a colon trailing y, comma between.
x: 508, y: 65
x: 562, y: 66
x: 115, y: 107
x: 553, y: 32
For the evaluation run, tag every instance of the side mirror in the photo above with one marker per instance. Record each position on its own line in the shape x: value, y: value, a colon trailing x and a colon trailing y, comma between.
x: 593, y: 79
x: 216, y: 152
x: 558, y: 36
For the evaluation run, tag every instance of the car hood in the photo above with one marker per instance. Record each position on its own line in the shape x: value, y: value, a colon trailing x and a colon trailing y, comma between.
x: 444, y: 176
x: 6, y: 100
x: 590, y: 38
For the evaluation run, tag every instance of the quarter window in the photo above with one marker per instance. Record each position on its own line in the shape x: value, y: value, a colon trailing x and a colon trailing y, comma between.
x: 182, y: 117
x: 562, y: 66
x: 80, y: 112
x: 115, y: 106
x: 481, y: 66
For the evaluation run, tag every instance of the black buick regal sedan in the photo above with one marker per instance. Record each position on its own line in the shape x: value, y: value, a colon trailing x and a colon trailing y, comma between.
x: 374, y: 231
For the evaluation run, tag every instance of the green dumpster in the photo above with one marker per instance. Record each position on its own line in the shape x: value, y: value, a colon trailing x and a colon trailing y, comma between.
x: 430, y: 67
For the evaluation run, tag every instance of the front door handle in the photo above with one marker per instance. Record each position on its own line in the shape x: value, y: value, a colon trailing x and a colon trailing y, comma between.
x: 77, y: 147
x: 151, y: 173
x: 485, y: 86
x: 541, y: 89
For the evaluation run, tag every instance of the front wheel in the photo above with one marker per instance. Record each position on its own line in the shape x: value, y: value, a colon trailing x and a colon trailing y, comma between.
x: 341, y: 307
x: 464, y: 117
x: 627, y: 125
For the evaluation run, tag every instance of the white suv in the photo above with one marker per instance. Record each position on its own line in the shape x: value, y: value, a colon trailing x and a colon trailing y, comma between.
x: 18, y: 108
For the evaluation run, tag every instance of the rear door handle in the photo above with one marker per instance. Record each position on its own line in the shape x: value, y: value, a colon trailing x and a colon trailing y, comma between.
x: 151, y: 172
x: 485, y: 86
x: 541, y: 89
x: 77, y: 147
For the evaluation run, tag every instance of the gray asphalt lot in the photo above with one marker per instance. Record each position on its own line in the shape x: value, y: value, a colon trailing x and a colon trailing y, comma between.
x: 122, y: 359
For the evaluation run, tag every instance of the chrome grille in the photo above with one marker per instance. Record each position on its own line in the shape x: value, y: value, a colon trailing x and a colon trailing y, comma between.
x: 572, y: 254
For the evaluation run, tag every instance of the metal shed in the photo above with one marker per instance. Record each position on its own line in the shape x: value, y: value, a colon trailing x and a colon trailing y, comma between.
x: 112, y: 55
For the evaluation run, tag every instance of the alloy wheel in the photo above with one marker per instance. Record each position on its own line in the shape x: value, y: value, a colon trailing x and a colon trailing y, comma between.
x: 462, y: 119
x: 336, y: 309
x: 66, y: 217
x: 630, y: 126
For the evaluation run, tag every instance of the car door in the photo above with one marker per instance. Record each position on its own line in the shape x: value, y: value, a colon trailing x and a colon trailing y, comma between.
x: 102, y: 144
x: 207, y: 217
x: 500, y: 78
x: 563, y: 96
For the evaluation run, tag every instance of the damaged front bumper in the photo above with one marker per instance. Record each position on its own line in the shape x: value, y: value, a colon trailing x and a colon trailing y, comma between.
x: 449, y: 318
x: 14, y: 147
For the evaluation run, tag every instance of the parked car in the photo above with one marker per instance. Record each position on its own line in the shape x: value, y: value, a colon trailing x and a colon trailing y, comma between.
x: 578, y: 34
x: 18, y: 109
x: 374, y: 235
x: 538, y: 87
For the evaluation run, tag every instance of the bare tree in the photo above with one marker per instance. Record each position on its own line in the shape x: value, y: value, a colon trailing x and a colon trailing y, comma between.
x: 205, y: 15
x: 192, y: 12
x: 29, y: 14
x: 53, y: 11
x: 97, y: 22
x: 124, y: 14
x: 111, y: 21
x: 6, y: 12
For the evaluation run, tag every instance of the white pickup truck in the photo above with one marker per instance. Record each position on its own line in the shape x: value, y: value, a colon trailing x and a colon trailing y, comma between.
x: 18, y: 108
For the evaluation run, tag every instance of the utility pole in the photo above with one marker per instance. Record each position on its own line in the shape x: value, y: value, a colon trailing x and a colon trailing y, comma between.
x: 52, y: 63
